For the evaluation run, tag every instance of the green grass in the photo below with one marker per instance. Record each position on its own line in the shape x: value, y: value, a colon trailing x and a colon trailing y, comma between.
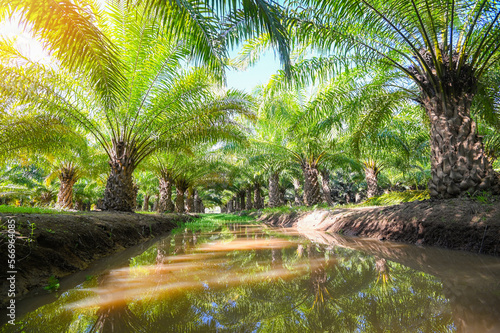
x: 392, y: 198
x: 286, y: 209
x: 210, y: 222
x: 30, y: 210
x: 146, y: 213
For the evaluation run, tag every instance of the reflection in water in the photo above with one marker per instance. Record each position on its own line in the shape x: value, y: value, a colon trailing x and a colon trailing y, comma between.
x: 246, y: 278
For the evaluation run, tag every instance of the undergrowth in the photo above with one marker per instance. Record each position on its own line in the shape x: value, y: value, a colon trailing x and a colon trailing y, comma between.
x: 209, y: 222
x: 388, y: 199
x: 30, y: 210
x: 394, y: 198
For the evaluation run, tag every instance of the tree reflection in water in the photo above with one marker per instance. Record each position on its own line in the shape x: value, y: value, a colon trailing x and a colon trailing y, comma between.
x: 244, y: 279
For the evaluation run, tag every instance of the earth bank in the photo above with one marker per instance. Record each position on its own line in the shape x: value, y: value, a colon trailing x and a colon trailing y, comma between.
x: 58, y: 245
x: 458, y: 224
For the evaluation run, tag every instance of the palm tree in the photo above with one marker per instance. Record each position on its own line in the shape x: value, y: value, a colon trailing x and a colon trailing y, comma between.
x: 445, y: 48
x: 35, y: 135
x: 21, y: 184
x: 147, y: 184
x: 163, y: 104
x: 302, y: 140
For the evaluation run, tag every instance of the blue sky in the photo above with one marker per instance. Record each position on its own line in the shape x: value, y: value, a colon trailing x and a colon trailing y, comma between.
x: 253, y: 76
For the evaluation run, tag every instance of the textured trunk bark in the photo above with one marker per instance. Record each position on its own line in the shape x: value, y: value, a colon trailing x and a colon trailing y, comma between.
x: 121, y: 193
x: 230, y: 206
x: 236, y: 204
x: 179, y: 200
x: 166, y: 204
x: 78, y: 205
x: 282, y: 192
x: 371, y: 176
x: 325, y: 185
x: 197, y: 202
x: 145, y: 206
x: 190, y: 200
x: 274, y: 194
x: 296, y: 192
x: 249, y: 204
x: 156, y: 204
x: 242, y: 200
x: 67, y: 177
x: 458, y: 162
x: 257, y: 197
x: 202, y: 207
x: 312, y: 195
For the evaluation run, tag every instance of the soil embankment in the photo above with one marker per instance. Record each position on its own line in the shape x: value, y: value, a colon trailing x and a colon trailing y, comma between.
x: 58, y: 245
x: 459, y: 224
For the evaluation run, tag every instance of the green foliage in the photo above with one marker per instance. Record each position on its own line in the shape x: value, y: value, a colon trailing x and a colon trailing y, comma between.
x: 394, y: 198
x: 52, y: 284
x: 210, y: 222
x: 483, y: 197
x: 29, y: 210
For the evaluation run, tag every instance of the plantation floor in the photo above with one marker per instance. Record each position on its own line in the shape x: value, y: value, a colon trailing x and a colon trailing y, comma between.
x: 460, y: 224
x: 57, y: 245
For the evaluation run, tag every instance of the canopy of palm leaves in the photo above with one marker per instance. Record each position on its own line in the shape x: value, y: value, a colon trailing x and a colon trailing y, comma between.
x: 442, y: 47
x: 163, y: 104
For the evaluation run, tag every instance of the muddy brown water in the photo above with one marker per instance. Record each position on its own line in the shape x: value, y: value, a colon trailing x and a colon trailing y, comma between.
x: 248, y: 278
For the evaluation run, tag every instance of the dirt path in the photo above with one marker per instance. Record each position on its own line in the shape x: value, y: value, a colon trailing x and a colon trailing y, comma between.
x: 460, y: 224
x: 58, y: 245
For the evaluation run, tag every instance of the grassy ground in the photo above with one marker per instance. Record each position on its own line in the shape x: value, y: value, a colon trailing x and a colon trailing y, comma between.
x: 6, y: 209
x: 392, y: 198
x: 209, y: 222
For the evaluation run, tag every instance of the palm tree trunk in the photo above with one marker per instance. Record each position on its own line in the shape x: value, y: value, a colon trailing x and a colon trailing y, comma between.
x: 274, y: 195
x: 257, y: 197
x: 312, y: 195
x: 190, y: 200
x: 145, y: 206
x: 371, y: 176
x: 236, y: 203
x: 325, y: 185
x: 296, y: 192
x: 179, y: 199
x: 282, y: 192
x: 156, y: 204
x: 242, y: 199
x: 120, y: 193
x: 197, y: 202
x: 78, y: 205
x: 166, y: 204
x: 458, y: 162
x: 249, y: 204
x: 67, y: 177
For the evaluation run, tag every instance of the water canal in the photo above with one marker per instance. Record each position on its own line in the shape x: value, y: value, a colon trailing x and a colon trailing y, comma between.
x: 245, y: 277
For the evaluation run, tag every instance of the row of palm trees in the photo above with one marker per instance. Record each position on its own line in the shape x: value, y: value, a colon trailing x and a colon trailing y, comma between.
x: 140, y: 82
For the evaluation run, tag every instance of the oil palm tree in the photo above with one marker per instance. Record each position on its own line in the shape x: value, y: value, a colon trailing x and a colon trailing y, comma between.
x: 444, y: 48
x: 33, y: 136
x: 147, y: 184
x: 24, y: 184
x: 302, y: 140
x: 161, y: 106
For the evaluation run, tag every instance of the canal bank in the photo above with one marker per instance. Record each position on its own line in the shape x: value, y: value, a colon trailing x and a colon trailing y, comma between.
x: 458, y: 224
x: 56, y: 245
